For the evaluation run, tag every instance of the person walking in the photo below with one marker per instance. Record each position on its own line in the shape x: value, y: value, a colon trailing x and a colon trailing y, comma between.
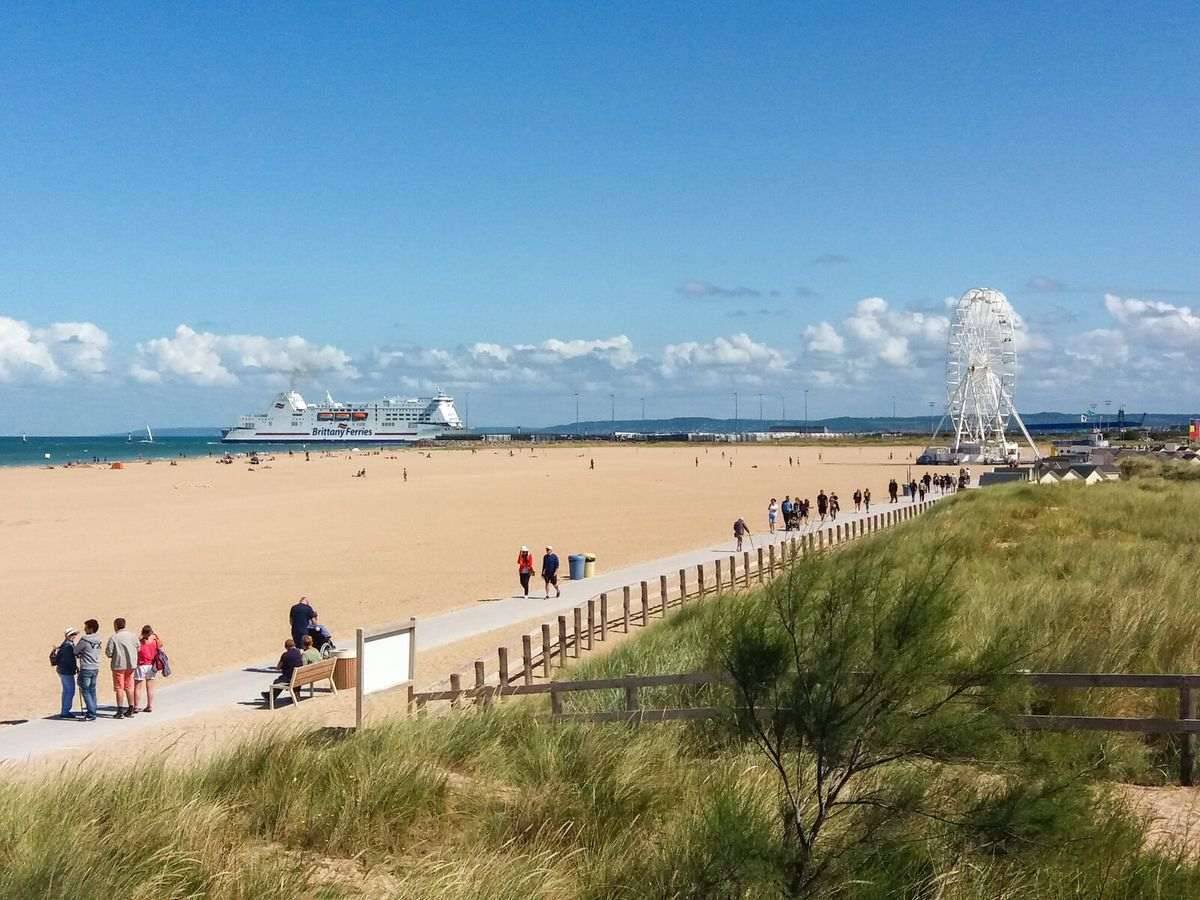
x: 147, y: 661
x: 772, y: 511
x: 788, y: 512
x: 912, y: 491
x: 893, y: 490
x: 87, y: 657
x: 63, y: 659
x: 835, y: 505
x: 740, y: 530
x: 857, y: 501
x: 550, y: 572
x: 299, y: 617
x: 867, y: 499
x: 122, y: 652
x: 822, y: 504
x: 524, y: 568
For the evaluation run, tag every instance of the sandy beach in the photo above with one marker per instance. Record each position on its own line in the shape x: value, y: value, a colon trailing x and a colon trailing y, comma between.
x: 213, y: 555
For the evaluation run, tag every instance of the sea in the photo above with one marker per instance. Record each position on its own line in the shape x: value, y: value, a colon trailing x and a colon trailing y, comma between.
x: 59, y: 451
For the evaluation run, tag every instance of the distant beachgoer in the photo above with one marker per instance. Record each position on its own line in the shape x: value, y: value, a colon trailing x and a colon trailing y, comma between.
x: 299, y: 616
x: 893, y: 490
x: 148, y: 647
x: 289, y: 662
x: 406, y: 474
x: 912, y: 491
x: 740, y: 530
x: 592, y: 464
x: 309, y: 654
x: 835, y: 505
x: 63, y: 660
x: 87, y: 654
x: 306, y: 456
x: 524, y: 568
x: 867, y: 499
x: 122, y: 652
x: 789, y: 461
x: 550, y: 572
x: 772, y: 511
x: 822, y: 504
x: 921, y: 490
x: 858, y: 497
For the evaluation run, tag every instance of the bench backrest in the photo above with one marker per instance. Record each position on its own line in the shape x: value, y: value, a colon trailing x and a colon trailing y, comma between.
x: 317, y: 671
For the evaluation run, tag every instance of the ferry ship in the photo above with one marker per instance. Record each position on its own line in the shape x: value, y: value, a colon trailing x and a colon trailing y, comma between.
x: 390, y: 420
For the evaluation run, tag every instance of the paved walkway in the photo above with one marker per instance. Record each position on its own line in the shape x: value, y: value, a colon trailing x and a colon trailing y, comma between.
x: 243, y: 685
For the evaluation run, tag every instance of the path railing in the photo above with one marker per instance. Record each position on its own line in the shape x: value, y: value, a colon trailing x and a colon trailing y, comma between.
x: 619, y: 610
x: 1185, y: 726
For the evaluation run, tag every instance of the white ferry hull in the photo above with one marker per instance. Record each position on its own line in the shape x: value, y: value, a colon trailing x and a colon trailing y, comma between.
x: 290, y: 420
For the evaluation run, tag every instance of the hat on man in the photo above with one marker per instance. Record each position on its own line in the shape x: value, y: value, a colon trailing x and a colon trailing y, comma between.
x: 70, y: 632
x: 549, y: 549
x: 524, y: 549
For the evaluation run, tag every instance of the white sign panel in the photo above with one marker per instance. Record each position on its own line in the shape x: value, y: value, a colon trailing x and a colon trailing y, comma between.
x: 387, y: 659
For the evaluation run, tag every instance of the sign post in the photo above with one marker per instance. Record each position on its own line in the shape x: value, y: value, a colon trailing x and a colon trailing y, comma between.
x: 386, y: 659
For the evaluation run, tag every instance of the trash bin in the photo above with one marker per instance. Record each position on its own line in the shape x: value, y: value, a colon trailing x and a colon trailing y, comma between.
x: 589, y: 565
x: 577, y: 562
x: 345, y: 671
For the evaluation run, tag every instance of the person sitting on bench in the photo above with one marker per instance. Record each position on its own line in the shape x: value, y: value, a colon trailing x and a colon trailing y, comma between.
x: 289, y: 662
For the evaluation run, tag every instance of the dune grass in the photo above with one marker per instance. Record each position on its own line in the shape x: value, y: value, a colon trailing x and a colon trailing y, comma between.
x: 501, y: 804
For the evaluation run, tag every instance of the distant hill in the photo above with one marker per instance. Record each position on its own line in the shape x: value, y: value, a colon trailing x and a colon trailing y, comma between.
x: 858, y: 424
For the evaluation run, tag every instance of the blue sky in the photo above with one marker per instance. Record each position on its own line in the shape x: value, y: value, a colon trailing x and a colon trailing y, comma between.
x: 673, y: 201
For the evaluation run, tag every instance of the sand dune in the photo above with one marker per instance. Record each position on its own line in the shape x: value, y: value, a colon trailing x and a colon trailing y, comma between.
x: 213, y: 555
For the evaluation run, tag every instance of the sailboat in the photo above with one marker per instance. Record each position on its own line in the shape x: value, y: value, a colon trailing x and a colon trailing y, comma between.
x: 24, y: 438
x: 149, y: 438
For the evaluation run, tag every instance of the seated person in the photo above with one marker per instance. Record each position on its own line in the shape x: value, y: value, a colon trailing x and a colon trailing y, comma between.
x: 320, y: 635
x: 289, y: 662
x: 310, y: 653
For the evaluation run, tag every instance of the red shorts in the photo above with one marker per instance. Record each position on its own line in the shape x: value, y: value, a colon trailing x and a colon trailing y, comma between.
x: 123, y: 680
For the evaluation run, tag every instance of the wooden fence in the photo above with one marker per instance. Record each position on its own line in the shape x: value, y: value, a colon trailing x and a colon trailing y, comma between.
x: 638, y: 605
x: 1185, y: 726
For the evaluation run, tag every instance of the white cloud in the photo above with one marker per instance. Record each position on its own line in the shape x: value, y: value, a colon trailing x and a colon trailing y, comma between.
x: 53, y: 352
x: 824, y: 338
x: 737, y: 357
x: 1155, y: 322
x: 898, y: 338
x: 211, y: 359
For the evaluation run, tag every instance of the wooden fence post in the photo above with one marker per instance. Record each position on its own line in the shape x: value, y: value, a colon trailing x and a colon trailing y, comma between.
x: 771, y: 553
x: 456, y: 687
x: 547, y: 648
x: 1187, y: 742
x: 562, y: 640
x: 717, y: 575
x: 604, y: 617
x: 527, y: 659
x: 578, y: 623
x: 746, y: 569
x: 794, y: 548
x: 625, y: 607
x: 700, y: 580
x: 820, y: 540
x: 591, y: 623
x: 645, y: 600
x: 662, y: 593
x: 838, y: 529
x: 631, y: 694
x: 480, y: 673
x: 502, y: 661
x: 732, y: 571
x: 555, y: 701
x: 760, y: 566
x: 682, y: 588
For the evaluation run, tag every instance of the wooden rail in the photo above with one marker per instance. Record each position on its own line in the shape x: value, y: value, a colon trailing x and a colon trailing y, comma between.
x: 1186, y: 725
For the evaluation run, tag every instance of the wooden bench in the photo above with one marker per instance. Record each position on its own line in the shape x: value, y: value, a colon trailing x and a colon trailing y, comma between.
x: 304, y: 675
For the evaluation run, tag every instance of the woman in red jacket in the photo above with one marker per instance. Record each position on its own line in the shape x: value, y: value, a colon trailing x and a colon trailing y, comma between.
x: 525, y: 568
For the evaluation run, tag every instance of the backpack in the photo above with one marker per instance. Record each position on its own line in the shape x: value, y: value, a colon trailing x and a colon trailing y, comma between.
x: 53, y: 657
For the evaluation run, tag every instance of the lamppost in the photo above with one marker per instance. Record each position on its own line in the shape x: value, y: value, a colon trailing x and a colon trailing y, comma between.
x: 806, y: 410
x: 736, y: 424
x: 577, y: 412
x: 783, y: 407
x: 612, y: 410
x: 932, y: 425
x: 643, y: 409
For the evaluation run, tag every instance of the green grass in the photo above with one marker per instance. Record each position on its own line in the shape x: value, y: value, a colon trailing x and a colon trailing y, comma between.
x: 501, y: 805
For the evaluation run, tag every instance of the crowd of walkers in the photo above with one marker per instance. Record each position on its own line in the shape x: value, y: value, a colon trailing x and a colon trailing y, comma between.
x: 797, y: 514
x: 134, y: 661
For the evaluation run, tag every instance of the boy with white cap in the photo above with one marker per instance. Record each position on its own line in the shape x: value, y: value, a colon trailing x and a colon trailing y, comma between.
x: 64, y: 664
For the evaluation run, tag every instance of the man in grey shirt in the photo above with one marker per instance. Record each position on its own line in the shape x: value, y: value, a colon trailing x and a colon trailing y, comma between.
x: 122, y: 651
x: 87, y: 655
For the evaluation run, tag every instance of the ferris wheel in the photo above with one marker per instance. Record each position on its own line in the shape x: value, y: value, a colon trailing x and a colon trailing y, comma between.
x: 981, y: 374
